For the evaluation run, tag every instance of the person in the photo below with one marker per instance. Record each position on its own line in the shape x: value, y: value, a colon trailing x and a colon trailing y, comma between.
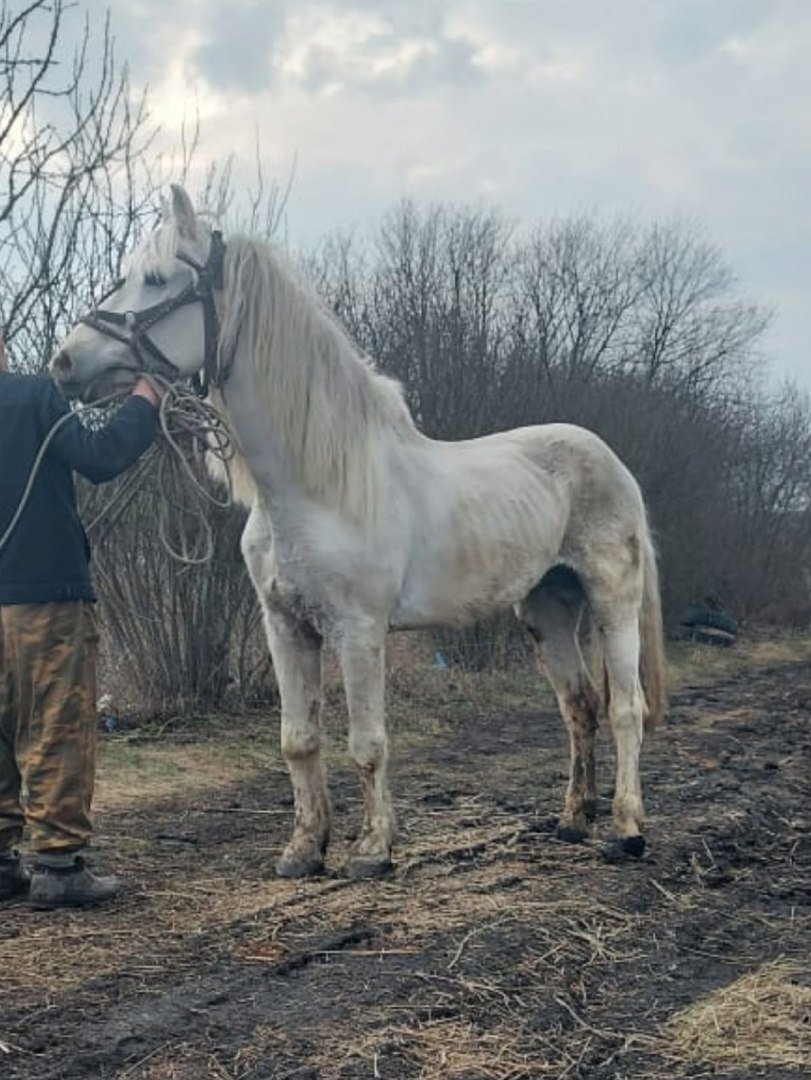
x: 48, y: 634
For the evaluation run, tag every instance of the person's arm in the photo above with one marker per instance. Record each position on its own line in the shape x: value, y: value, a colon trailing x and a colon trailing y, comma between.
x: 101, y: 455
x: 145, y: 389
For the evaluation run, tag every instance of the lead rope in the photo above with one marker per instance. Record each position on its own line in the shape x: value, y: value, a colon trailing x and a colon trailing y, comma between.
x: 191, y: 428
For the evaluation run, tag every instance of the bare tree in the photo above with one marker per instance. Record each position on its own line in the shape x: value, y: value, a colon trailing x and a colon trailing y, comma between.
x: 576, y: 287
x: 426, y: 298
x: 688, y: 324
x: 73, y: 178
x: 770, y: 497
x: 178, y: 636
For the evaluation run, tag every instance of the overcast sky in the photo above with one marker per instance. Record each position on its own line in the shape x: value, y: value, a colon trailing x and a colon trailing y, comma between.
x: 646, y: 108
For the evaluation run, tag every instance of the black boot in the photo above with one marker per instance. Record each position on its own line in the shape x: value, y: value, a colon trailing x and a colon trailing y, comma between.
x: 14, y: 878
x: 65, y: 881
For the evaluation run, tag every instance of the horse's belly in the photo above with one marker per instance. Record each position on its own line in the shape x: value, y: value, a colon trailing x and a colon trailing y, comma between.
x: 455, y: 599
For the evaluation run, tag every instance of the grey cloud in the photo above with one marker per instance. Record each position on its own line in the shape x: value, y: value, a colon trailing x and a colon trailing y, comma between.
x: 442, y: 62
x: 690, y: 31
x: 237, y: 53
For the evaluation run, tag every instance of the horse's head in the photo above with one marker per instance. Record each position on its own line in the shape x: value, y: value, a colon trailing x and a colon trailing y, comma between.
x: 159, y: 318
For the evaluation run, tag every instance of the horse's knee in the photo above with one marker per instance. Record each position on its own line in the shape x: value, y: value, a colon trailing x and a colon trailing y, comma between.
x: 301, y: 740
x: 296, y: 746
x: 627, y: 718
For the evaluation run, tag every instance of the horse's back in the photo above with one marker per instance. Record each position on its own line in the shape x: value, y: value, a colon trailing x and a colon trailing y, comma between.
x: 595, y: 477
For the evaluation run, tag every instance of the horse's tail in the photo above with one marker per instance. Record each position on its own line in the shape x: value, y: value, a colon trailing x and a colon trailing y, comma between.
x: 651, y: 639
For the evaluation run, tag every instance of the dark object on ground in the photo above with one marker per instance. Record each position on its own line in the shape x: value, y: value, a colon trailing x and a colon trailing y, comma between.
x: 708, y: 627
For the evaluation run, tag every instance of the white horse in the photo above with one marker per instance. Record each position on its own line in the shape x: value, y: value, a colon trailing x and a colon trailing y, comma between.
x: 359, y: 524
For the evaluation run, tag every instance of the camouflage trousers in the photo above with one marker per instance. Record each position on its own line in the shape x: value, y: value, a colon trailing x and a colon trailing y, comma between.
x: 47, y: 724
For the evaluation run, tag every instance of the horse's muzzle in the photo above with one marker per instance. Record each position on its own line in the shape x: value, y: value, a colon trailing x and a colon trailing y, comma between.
x: 112, y: 380
x: 62, y: 365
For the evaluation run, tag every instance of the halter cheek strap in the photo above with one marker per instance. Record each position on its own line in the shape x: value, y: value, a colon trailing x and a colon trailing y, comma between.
x: 132, y: 328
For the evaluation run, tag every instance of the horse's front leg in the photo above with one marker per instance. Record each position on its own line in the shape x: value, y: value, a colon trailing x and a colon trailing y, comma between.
x: 362, y: 658
x: 296, y: 652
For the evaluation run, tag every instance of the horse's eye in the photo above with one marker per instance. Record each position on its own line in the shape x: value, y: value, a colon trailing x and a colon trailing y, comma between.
x: 154, y: 280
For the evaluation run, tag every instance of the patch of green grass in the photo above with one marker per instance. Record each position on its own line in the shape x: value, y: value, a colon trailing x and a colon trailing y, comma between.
x: 129, y: 771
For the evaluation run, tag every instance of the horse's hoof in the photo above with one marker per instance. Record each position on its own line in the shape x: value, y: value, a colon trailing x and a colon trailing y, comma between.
x: 570, y: 835
x: 624, y: 849
x: 633, y: 845
x: 291, y: 866
x: 364, y: 868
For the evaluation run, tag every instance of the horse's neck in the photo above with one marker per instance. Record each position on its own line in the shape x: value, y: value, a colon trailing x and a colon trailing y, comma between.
x: 310, y: 416
x: 264, y: 455
x: 335, y: 453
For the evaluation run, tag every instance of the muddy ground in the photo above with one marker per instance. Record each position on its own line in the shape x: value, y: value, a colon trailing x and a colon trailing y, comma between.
x: 493, y: 951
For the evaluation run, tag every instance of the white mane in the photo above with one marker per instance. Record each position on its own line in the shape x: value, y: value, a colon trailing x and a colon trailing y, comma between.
x: 326, y: 402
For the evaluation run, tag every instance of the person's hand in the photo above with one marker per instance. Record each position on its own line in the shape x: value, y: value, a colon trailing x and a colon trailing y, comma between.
x: 146, y: 389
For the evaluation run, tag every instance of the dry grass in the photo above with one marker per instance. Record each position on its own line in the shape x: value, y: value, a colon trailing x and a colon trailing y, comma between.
x: 762, y: 1020
x: 177, y: 1061
x: 449, y: 1049
x: 688, y: 662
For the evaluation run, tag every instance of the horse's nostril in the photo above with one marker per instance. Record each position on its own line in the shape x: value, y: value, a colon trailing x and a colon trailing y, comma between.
x: 61, y: 364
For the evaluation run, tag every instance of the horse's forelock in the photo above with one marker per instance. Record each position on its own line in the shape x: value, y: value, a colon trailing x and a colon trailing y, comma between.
x: 156, y: 252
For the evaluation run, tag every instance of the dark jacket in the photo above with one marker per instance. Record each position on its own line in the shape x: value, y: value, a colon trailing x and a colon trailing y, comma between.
x: 46, y: 558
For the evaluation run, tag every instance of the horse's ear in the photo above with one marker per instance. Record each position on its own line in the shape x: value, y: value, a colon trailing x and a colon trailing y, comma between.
x: 184, y: 213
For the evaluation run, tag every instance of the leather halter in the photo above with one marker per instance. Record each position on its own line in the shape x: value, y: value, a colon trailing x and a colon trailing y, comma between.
x: 132, y: 328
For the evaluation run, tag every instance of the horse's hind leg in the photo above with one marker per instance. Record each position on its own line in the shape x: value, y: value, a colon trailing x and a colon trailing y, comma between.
x: 557, y: 616
x: 580, y: 709
x: 626, y: 711
x: 361, y: 651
